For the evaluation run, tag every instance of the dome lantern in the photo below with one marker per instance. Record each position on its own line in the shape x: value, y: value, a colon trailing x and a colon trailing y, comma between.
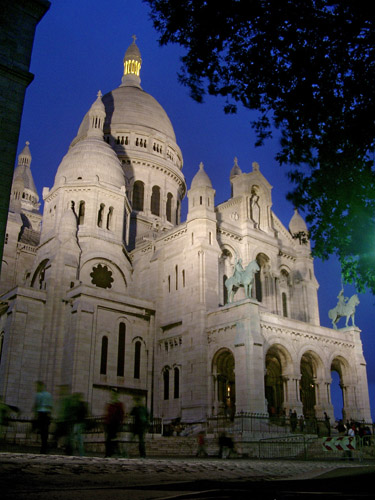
x: 132, y: 66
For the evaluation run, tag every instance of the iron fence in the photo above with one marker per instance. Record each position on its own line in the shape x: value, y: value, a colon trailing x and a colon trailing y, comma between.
x: 243, y: 423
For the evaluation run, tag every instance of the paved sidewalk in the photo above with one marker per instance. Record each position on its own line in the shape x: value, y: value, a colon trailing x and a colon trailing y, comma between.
x: 31, y: 477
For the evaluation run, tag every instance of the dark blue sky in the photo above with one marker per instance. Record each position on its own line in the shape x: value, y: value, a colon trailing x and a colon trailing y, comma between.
x: 79, y: 48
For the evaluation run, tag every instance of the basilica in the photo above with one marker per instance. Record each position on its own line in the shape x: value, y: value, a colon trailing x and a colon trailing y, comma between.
x: 108, y: 288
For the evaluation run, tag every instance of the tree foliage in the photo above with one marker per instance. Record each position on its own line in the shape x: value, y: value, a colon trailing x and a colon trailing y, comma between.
x: 308, y: 68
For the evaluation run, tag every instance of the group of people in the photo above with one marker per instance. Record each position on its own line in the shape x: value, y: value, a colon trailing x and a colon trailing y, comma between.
x: 352, y: 428
x: 72, y: 420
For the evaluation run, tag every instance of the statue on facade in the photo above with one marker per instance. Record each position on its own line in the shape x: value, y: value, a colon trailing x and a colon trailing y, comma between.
x: 254, y: 206
x: 241, y: 277
x: 345, y: 308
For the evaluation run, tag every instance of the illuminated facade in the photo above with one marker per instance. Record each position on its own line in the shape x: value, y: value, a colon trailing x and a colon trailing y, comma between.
x: 118, y: 292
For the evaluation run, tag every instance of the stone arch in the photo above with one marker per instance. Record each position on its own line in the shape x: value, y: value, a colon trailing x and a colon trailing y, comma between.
x: 341, y: 366
x: 226, y: 263
x: 114, y: 277
x: 278, y: 362
x: 284, y: 285
x: 223, y: 372
x: 312, y: 372
x: 166, y: 382
x: 138, y: 195
x: 38, y: 279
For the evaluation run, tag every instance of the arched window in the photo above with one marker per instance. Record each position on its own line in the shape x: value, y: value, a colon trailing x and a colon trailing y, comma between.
x: 177, y: 212
x: 121, y: 351
x: 258, y: 287
x: 138, y: 195
x: 110, y: 218
x: 101, y: 215
x: 155, y: 201
x: 176, y: 389
x: 285, y: 304
x: 166, y: 383
x: 81, y: 212
x: 104, y: 356
x: 169, y: 207
x: 137, y: 359
x: 225, y: 291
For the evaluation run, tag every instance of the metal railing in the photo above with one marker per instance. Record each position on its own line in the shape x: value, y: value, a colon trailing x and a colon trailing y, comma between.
x: 243, y: 423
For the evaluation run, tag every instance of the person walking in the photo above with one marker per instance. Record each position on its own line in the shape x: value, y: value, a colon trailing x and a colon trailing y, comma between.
x: 114, y: 417
x: 79, y: 416
x: 140, y: 425
x: 43, y: 407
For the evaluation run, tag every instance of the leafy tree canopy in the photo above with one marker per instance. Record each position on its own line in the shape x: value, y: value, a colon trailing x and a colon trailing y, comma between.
x: 308, y: 68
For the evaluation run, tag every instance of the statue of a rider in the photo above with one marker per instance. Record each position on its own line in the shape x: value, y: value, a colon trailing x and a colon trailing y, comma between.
x: 238, y: 270
x: 342, y: 301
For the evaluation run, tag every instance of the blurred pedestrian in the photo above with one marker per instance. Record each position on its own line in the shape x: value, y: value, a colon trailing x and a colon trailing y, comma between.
x: 301, y: 422
x: 63, y: 424
x: 201, y: 445
x: 226, y: 446
x: 42, y: 408
x: 114, y: 417
x: 79, y: 414
x: 141, y: 423
x: 5, y: 411
x: 293, y: 421
x: 327, y: 424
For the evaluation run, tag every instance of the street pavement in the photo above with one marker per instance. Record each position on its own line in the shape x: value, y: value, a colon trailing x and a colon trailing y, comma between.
x: 56, y: 477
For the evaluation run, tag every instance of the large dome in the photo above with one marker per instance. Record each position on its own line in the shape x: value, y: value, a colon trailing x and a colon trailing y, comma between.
x: 129, y: 106
x: 130, y: 109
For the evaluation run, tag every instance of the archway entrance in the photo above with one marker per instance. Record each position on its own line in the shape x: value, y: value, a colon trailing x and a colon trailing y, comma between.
x: 273, y: 383
x: 336, y: 389
x: 307, y: 385
x: 224, y: 378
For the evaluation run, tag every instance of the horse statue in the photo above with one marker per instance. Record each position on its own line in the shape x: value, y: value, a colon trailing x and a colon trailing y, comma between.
x: 345, y: 307
x: 241, y: 277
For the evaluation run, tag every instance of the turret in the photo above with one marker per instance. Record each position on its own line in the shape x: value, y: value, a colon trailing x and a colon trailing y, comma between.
x: 201, y: 196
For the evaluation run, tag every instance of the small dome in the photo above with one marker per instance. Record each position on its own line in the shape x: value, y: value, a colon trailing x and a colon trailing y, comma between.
x: 235, y: 169
x: 91, y: 160
x: 201, y: 179
x: 297, y: 224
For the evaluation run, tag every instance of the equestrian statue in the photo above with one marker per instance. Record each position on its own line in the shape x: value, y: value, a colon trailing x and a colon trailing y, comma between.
x: 241, y: 277
x: 345, y: 307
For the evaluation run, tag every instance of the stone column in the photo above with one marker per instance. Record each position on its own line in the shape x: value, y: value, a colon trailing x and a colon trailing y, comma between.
x: 291, y: 393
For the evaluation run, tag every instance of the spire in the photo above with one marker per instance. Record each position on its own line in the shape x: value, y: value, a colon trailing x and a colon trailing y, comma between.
x: 24, y: 158
x: 235, y: 169
x: 132, y: 66
x: 24, y: 194
x: 96, y: 118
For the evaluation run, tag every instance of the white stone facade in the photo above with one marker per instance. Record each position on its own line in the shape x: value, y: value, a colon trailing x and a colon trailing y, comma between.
x: 117, y: 292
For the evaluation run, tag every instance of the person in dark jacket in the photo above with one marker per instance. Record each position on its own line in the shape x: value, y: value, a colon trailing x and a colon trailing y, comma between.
x: 114, y: 417
x: 140, y: 424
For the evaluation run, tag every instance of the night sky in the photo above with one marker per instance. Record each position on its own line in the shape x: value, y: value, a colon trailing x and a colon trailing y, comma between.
x: 79, y: 49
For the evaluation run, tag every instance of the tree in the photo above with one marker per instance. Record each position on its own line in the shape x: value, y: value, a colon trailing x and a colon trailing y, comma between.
x: 308, y: 68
